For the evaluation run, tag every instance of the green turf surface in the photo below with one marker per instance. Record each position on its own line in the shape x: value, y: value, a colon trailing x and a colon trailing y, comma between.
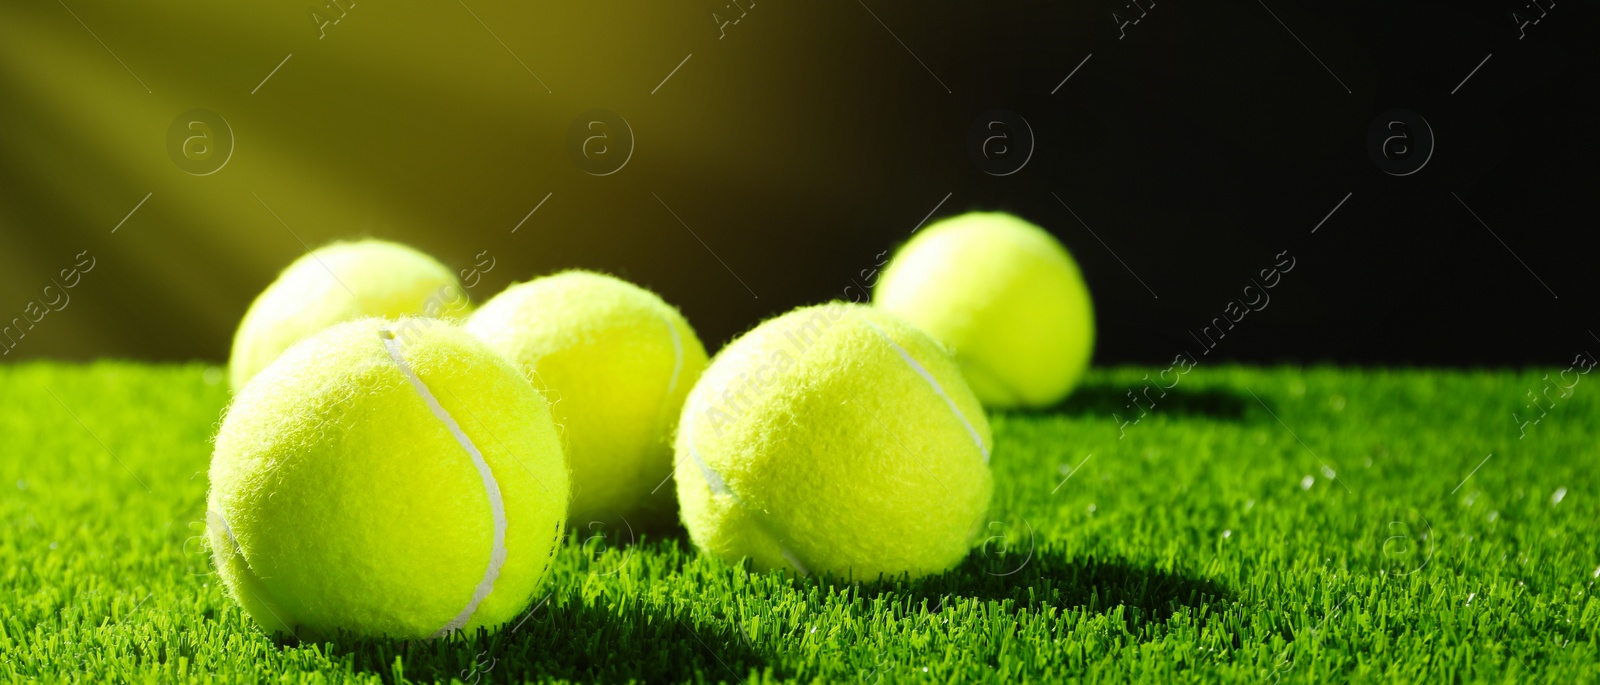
x: 1259, y: 525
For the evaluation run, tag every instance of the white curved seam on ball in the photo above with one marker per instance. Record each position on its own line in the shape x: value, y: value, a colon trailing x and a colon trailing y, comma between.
x: 720, y: 487
x: 232, y: 539
x: 906, y: 356
x: 713, y: 479
x: 497, y: 554
x: 226, y: 529
x: 677, y: 357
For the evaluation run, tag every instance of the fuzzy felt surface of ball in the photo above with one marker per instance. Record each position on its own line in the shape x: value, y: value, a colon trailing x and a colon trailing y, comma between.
x: 835, y: 440
x: 1005, y: 296
x: 335, y: 283
x: 386, y: 478
x: 616, y: 362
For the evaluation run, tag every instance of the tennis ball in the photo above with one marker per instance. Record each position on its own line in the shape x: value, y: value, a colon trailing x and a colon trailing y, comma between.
x: 1005, y: 297
x: 336, y: 283
x: 386, y: 478
x: 834, y: 440
x: 616, y: 362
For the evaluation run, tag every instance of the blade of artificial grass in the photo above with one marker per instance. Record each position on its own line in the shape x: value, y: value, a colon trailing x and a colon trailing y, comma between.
x: 1256, y: 525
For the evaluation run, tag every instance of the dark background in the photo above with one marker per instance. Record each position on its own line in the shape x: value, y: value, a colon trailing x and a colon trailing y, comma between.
x: 811, y: 138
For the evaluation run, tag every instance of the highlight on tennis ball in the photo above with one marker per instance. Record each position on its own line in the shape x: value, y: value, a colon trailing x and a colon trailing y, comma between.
x: 1005, y: 296
x: 386, y: 478
x: 838, y: 441
x: 340, y: 282
x: 616, y: 362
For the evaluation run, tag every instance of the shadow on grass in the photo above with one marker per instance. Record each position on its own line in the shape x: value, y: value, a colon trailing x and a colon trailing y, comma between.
x: 562, y: 638
x: 1103, y: 400
x: 565, y: 636
x: 1049, y: 580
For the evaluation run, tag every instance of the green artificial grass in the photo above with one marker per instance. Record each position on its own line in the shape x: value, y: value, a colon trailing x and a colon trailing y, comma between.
x: 1257, y: 525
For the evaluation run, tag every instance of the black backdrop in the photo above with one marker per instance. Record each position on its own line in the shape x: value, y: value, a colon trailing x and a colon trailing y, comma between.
x: 1177, y: 148
x: 1200, y: 145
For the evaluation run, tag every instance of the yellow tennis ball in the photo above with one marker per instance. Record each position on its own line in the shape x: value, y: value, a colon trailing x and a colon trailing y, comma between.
x: 616, y: 362
x: 386, y: 478
x: 337, y: 283
x: 1005, y: 297
x: 834, y: 440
